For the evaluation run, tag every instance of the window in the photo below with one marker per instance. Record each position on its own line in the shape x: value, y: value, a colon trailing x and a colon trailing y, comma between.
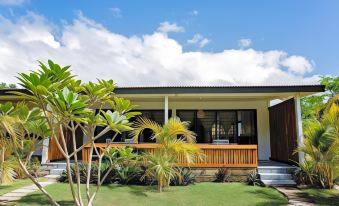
x: 236, y: 126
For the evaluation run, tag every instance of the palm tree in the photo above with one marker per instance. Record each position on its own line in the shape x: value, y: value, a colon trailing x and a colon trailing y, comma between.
x: 175, y: 139
x: 321, y: 147
x: 7, y: 164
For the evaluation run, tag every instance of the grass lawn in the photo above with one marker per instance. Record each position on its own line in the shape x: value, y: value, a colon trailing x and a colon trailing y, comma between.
x: 16, y: 185
x: 324, y: 197
x: 198, y: 194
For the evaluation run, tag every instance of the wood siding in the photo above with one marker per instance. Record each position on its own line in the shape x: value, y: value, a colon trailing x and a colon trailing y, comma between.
x: 53, y: 150
x: 214, y: 155
x: 283, y: 133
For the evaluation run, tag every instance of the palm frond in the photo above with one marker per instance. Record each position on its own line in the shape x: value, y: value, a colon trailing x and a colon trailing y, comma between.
x: 143, y: 123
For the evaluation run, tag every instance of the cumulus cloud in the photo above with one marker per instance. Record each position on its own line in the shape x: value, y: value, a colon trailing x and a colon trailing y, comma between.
x: 244, y: 43
x: 12, y: 2
x: 116, y: 12
x: 166, y: 27
x: 199, y: 40
x: 298, y: 64
x: 151, y: 59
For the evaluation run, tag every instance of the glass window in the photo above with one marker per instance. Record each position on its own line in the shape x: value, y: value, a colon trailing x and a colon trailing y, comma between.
x: 232, y: 125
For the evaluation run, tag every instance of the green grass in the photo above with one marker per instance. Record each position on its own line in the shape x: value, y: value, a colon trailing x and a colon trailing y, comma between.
x: 5, y: 188
x: 324, y: 197
x: 197, y: 195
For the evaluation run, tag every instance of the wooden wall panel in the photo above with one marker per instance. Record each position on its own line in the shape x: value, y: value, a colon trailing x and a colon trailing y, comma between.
x: 283, y: 133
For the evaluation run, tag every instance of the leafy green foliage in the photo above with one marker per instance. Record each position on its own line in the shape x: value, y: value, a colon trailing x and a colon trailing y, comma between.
x: 222, y: 175
x: 254, y: 179
x: 4, y: 85
x: 186, y: 177
x: 331, y: 84
x: 321, y: 146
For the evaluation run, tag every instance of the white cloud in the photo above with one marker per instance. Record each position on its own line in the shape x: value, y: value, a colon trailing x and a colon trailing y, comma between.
x: 151, y: 59
x: 12, y: 2
x: 116, y: 12
x: 166, y: 27
x: 199, y: 40
x: 244, y: 43
x: 194, y: 13
x: 297, y: 64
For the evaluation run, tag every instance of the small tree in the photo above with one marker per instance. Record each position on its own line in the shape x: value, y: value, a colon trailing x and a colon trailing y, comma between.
x: 67, y: 105
x: 321, y: 146
x: 175, y: 140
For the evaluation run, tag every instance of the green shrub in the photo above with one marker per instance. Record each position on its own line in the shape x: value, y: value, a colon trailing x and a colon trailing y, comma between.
x: 186, y: 177
x: 222, y: 175
x: 254, y: 179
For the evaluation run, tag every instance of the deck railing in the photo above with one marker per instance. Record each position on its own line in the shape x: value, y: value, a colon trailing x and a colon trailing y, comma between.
x: 213, y: 155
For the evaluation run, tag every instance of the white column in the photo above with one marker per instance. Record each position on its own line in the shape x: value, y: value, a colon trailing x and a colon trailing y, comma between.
x: 299, y: 126
x: 166, y: 109
x: 44, y: 152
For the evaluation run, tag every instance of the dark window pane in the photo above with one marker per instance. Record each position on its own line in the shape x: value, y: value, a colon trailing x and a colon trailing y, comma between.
x: 226, y: 127
x: 246, y: 127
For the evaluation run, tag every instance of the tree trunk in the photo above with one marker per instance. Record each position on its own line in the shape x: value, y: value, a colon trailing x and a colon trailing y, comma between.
x: 53, y: 202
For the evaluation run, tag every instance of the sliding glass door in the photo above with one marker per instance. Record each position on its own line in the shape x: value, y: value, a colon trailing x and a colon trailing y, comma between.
x: 233, y: 126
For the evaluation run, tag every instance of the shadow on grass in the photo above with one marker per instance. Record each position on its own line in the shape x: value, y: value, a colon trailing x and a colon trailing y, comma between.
x: 325, y: 199
x: 41, y: 200
x: 274, y: 199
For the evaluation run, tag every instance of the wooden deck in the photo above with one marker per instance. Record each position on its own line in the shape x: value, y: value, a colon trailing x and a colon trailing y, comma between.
x: 241, y: 156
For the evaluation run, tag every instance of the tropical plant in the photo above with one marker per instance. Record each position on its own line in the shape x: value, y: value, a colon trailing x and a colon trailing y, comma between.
x: 174, y: 139
x: 4, y: 85
x: 7, y: 165
x: 321, y: 147
x: 254, y: 179
x: 67, y: 104
x: 222, y: 175
x: 186, y: 177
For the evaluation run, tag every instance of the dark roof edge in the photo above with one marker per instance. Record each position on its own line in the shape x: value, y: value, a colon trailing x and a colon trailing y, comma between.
x: 215, y: 89
x: 202, y: 89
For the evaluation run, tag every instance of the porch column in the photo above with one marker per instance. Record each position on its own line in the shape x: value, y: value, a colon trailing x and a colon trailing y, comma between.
x: 299, y: 126
x: 166, y: 109
x: 44, y: 152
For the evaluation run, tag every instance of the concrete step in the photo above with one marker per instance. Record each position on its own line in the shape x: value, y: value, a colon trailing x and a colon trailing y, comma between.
x: 275, y: 176
x: 276, y: 169
x: 55, y: 165
x: 56, y: 171
x: 279, y: 182
x: 52, y: 177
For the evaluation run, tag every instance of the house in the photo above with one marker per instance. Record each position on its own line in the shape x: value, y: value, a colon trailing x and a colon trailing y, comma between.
x: 236, y: 126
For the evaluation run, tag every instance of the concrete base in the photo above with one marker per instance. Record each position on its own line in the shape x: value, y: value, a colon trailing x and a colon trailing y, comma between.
x: 209, y: 174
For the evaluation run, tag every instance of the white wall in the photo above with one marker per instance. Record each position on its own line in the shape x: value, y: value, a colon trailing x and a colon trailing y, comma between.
x: 259, y: 105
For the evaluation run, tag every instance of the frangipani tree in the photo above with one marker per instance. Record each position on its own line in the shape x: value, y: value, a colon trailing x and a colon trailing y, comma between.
x: 175, y: 139
x: 68, y: 104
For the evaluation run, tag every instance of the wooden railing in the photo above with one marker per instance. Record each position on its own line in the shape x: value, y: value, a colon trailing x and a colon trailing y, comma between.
x: 213, y: 155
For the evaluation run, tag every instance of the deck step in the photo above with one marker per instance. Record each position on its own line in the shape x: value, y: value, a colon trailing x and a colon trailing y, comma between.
x: 56, y: 171
x: 279, y: 182
x: 278, y: 170
x: 275, y: 176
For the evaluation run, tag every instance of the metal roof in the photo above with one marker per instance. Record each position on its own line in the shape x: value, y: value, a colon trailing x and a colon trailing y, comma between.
x: 203, y: 89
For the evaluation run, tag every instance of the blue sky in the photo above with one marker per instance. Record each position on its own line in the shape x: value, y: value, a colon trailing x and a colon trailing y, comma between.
x: 309, y: 29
